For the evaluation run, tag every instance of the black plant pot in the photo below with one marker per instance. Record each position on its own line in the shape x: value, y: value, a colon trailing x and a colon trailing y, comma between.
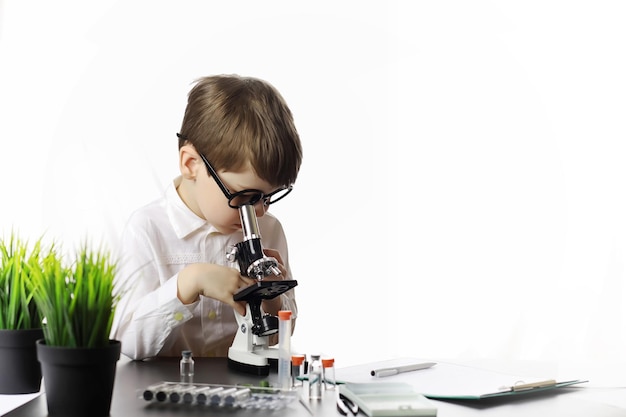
x: 78, y: 381
x: 20, y: 372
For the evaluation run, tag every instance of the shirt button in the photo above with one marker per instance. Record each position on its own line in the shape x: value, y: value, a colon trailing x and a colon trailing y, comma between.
x: 212, y: 314
x: 178, y: 316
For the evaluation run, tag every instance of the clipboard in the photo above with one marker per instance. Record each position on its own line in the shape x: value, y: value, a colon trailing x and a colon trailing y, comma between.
x: 452, y: 381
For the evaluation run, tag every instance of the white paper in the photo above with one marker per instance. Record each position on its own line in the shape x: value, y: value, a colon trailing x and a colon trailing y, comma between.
x: 444, y: 380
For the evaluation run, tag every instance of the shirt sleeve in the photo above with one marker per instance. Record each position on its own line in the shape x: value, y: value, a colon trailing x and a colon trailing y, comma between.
x: 149, y: 310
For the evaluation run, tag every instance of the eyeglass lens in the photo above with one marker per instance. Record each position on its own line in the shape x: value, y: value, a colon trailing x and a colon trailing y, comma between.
x: 252, y: 197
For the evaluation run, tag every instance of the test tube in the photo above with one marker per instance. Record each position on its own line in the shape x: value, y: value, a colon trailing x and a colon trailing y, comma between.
x: 203, y: 396
x: 328, y: 365
x: 187, y: 392
x: 284, y: 349
x: 297, y: 362
x: 165, y: 391
x: 240, y: 394
x: 216, y: 398
x: 174, y: 396
x: 153, y: 391
x: 257, y: 402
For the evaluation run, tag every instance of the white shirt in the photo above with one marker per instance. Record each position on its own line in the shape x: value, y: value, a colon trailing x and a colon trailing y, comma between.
x: 158, y: 241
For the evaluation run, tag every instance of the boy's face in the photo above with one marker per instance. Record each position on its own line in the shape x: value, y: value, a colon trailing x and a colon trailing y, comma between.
x: 212, y: 204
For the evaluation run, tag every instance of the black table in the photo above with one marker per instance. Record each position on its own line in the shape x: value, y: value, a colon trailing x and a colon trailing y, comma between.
x: 132, y: 376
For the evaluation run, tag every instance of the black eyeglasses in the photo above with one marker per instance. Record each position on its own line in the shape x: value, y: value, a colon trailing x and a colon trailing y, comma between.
x: 243, y: 197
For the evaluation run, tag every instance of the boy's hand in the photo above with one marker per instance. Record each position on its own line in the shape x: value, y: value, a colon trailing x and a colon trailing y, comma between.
x: 214, y: 281
x: 221, y: 283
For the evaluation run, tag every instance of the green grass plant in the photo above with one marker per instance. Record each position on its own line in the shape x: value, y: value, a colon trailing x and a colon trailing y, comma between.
x: 18, y: 260
x: 78, y: 300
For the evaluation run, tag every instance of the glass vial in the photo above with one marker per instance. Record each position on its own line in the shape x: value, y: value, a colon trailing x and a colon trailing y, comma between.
x: 328, y: 368
x: 284, y: 349
x: 315, y: 378
x: 186, y: 368
x: 297, y: 363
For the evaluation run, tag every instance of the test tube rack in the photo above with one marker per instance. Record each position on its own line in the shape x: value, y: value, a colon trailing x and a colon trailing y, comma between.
x: 215, y: 395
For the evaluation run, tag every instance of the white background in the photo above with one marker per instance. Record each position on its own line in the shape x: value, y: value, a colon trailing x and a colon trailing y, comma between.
x: 462, y: 193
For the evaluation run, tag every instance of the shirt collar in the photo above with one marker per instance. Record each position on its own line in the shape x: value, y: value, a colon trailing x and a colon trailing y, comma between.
x: 183, y: 220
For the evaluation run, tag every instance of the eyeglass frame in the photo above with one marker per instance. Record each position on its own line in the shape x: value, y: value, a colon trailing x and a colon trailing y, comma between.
x: 231, y: 196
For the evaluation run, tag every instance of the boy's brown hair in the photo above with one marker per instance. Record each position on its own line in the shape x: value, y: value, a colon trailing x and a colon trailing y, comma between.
x: 234, y: 120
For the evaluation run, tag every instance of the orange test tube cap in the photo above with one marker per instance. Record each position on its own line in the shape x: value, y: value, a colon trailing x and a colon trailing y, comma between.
x: 328, y: 362
x: 297, y: 360
x: 284, y: 315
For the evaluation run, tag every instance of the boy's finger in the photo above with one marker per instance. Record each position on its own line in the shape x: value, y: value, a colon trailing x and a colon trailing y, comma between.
x: 240, y: 307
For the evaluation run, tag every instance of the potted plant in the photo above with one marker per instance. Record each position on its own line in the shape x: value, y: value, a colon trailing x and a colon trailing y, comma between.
x: 78, y: 359
x: 20, y: 321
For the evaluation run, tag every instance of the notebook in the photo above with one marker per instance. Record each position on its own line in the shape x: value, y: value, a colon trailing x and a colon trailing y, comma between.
x: 381, y: 399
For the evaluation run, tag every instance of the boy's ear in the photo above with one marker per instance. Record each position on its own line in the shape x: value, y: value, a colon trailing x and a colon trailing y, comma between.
x: 188, y: 160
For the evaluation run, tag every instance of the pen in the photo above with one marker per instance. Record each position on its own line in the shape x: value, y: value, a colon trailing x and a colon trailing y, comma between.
x: 304, y: 404
x: 379, y: 373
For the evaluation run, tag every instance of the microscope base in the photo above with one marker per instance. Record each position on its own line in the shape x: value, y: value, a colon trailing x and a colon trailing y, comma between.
x: 258, y: 362
x: 258, y: 370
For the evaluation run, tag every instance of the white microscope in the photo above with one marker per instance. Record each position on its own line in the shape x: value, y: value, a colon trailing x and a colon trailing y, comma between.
x: 250, y: 351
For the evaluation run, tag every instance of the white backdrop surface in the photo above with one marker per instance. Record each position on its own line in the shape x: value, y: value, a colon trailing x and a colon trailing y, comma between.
x: 463, y: 190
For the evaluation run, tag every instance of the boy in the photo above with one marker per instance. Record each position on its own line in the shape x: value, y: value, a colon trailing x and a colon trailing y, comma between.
x: 173, y: 250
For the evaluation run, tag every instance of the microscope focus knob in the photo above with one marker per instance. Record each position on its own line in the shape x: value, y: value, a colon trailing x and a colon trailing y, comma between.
x: 268, y: 325
x: 232, y: 255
